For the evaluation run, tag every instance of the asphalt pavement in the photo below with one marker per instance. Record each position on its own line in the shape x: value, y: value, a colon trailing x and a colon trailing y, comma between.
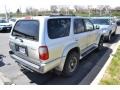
x: 24, y: 77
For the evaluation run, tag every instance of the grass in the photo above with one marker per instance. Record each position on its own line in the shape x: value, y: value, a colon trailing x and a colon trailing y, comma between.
x: 112, y: 74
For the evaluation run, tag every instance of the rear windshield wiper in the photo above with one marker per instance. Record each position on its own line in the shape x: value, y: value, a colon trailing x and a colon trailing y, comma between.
x: 31, y: 37
x: 20, y: 34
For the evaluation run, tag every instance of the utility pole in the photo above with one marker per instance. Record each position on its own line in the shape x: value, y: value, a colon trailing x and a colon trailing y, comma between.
x: 101, y: 11
x: 89, y: 10
x: 6, y: 15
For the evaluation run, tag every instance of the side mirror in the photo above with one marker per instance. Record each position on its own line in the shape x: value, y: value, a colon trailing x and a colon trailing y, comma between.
x: 97, y: 27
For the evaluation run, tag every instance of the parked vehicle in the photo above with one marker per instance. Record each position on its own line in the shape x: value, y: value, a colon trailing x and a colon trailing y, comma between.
x: 107, y: 24
x: 58, y: 42
x: 5, y: 25
x: 12, y: 21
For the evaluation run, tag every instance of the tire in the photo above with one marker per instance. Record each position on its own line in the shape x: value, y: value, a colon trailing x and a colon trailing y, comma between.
x: 100, y: 45
x: 114, y: 33
x: 71, y: 64
x: 109, y: 37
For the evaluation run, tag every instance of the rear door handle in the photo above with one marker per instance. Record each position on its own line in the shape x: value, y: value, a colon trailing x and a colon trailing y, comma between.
x: 21, y: 40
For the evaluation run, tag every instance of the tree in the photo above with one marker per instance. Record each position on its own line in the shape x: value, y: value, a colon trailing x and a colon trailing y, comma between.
x: 18, y: 11
x: 54, y: 9
x: 29, y: 11
x: 32, y: 11
x: 117, y: 8
x: 64, y: 10
x: 78, y: 9
x: 11, y: 14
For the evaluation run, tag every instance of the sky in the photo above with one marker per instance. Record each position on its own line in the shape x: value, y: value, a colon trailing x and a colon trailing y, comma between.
x: 13, y: 5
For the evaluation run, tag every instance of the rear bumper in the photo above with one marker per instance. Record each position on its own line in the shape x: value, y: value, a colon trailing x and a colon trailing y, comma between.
x: 5, y: 28
x: 41, y: 68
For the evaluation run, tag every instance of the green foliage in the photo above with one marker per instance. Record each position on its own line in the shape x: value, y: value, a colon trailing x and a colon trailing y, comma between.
x: 34, y: 12
x: 115, y: 13
x: 112, y: 74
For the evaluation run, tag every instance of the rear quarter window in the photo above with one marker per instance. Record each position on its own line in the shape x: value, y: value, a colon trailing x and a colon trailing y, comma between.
x: 58, y: 28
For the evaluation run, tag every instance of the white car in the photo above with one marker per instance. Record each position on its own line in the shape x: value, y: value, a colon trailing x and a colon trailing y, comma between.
x: 5, y: 25
x: 107, y: 25
x: 12, y: 21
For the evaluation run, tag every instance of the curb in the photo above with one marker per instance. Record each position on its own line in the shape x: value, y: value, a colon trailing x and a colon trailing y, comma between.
x: 101, y: 73
x: 96, y: 74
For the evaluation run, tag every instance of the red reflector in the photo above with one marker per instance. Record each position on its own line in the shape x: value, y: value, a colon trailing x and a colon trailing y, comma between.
x: 43, y: 53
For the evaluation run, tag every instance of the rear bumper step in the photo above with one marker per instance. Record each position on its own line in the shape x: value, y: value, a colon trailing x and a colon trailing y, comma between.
x: 42, y: 68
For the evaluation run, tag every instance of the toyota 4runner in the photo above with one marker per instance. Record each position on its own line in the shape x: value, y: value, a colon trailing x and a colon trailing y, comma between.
x: 58, y: 42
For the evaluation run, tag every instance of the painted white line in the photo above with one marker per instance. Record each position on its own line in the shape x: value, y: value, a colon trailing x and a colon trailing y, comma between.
x: 101, y: 73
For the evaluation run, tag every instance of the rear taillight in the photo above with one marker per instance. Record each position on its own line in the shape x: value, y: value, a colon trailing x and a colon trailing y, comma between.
x: 43, y: 53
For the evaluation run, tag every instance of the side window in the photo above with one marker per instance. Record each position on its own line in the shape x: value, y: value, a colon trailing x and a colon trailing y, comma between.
x: 58, y: 27
x: 113, y: 20
x: 78, y: 26
x: 89, y: 25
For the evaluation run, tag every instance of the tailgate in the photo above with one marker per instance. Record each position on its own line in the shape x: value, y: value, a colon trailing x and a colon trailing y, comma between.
x: 24, y: 40
x: 26, y: 49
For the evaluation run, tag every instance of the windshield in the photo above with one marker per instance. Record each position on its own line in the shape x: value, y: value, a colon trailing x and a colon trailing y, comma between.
x: 101, y: 21
x: 13, y: 20
x: 27, y: 29
x: 3, y: 21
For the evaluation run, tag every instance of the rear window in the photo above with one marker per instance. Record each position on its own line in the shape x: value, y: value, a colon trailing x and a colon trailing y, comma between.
x: 58, y: 28
x: 28, y: 29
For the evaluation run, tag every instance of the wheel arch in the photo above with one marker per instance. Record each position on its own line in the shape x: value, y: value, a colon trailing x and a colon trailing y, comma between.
x: 66, y: 52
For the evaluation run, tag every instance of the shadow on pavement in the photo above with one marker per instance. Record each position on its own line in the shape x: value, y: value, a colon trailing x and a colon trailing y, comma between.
x: 114, y: 39
x: 5, y: 31
x: 1, y: 60
x: 2, y: 63
x: 86, y: 65
x: 38, y: 78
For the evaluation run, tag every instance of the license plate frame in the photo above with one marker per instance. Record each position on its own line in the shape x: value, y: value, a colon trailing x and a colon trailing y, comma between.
x: 22, y: 50
x: 8, y: 28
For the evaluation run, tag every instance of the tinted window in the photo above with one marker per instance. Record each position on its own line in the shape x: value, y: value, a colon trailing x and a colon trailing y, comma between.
x: 3, y: 21
x: 27, y: 29
x: 89, y: 25
x: 101, y: 21
x: 112, y: 21
x: 13, y: 20
x: 78, y: 26
x: 58, y: 27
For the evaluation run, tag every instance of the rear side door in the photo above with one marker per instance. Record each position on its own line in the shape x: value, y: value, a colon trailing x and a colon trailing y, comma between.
x: 81, y: 37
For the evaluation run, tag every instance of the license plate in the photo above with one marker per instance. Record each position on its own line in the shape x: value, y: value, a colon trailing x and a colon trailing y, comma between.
x: 8, y: 28
x: 22, y: 50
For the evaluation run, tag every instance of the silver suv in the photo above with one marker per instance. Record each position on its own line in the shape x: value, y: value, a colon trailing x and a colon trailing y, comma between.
x: 53, y: 42
x: 107, y: 25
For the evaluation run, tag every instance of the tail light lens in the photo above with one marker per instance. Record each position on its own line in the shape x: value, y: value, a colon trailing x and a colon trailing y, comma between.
x: 43, y: 53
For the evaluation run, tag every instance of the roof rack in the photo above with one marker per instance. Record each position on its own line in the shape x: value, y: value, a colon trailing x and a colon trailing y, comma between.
x: 59, y: 14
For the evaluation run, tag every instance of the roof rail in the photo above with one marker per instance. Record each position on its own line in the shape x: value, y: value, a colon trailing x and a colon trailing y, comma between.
x: 59, y: 14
